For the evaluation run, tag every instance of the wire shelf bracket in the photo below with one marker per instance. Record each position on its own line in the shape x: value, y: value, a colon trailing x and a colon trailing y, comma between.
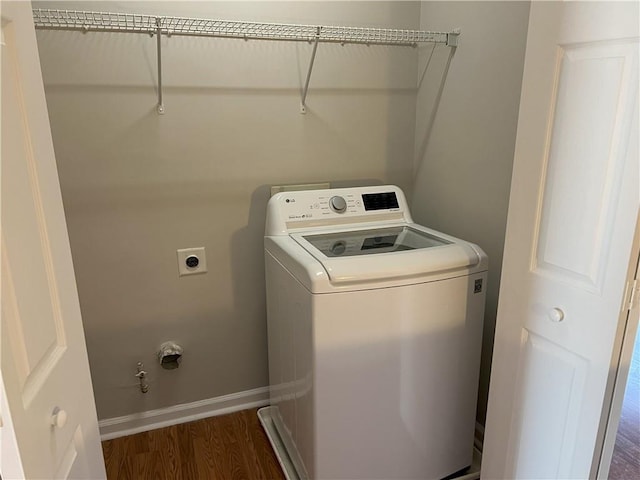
x: 160, y: 107
x: 303, y: 106
x: 87, y: 21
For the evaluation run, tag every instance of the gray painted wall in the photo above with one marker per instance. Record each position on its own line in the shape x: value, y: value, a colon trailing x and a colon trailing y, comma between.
x: 137, y: 186
x: 466, y: 122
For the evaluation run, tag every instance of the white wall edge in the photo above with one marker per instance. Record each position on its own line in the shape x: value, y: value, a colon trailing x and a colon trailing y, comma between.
x: 474, y: 471
x: 479, y: 437
x: 186, y: 412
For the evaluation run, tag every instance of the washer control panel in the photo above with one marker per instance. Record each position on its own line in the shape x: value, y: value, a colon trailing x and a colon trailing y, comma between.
x: 298, y: 208
x: 317, y: 204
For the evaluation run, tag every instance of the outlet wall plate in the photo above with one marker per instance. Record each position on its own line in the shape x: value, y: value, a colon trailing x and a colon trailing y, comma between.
x: 191, y: 261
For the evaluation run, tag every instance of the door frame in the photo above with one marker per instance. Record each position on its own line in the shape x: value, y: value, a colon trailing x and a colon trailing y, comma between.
x: 10, y: 461
x: 628, y: 322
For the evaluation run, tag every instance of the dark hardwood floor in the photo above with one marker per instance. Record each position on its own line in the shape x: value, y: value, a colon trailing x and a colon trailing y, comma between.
x: 227, y: 447
x: 234, y: 447
x: 625, y: 463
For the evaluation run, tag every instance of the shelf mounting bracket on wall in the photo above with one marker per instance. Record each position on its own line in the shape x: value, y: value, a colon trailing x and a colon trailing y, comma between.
x: 160, y: 107
x: 303, y: 106
x: 452, y: 38
x: 86, y: 21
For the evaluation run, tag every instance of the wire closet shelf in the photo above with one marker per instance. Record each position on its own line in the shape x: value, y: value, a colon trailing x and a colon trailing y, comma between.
x: 86, y: 21
x: 52, y: 19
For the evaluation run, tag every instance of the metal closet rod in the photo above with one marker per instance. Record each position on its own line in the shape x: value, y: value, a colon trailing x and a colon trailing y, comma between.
x: 86, y: 21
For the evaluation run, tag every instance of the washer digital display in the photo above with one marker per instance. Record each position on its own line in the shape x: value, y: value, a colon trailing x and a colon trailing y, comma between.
x: 380, y: 201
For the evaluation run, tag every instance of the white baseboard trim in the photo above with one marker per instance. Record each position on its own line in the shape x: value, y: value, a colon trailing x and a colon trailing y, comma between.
x: 185, y: 412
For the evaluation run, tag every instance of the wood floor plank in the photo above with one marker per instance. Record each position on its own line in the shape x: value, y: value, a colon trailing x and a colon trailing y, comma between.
x: 187, y: 457
x: 170, y: 453
x: 126, y: 469
x: 227, y: 447
x: 214, y: 444
x: 148, y: 466
x: 262, y: 457
x: 112, y: 457
x: 133, y: 445
x: 205, y: 465
x: 242, y: 425
x: 230, y: 448
x: 117, y: 459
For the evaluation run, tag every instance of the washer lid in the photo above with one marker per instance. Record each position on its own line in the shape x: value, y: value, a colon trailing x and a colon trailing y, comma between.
x: 373, y: 241
x: 388, y: 253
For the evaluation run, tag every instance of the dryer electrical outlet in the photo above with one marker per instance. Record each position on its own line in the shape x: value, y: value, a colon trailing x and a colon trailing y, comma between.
x: 191, y: 261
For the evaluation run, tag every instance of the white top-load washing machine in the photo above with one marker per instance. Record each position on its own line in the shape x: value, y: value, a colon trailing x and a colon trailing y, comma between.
x: 375, y: 328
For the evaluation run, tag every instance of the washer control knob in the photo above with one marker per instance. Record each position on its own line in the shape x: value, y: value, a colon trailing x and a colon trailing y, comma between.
x: 338, y: 204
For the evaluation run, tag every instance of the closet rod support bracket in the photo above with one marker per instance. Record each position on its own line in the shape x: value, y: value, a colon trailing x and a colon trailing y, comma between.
x: 303, y: 106
x: 160, y: 107
x: 452, y: 38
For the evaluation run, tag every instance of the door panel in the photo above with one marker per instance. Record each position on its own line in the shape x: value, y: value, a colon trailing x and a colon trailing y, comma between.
x: 603, y: 73
x: 38, y: 343
x: 45, y: 371
x: 575, y: 198
x: 548, y: 363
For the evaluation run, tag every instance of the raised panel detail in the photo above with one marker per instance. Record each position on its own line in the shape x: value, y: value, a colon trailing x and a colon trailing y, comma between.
x: 69, y: 458
x: 13, y: 335
x: 573, y: 233
x: 35, y: 323
x: 551, y: 380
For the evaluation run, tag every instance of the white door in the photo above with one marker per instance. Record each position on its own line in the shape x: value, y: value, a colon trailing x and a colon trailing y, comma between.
x: 575, y: 198
x: 45, y: 371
